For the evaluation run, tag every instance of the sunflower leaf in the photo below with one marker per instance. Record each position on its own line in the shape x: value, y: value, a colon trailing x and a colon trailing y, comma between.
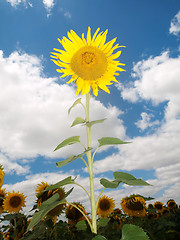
x: 103, y: 222
x: 61, y: 183
x: 129, y: 179
x: 46, y: 207
x: 74, y: 104
x: 81, y: 225
x: 90, y: 124
x: 110, y: 141
x: 78, y: 120
x: 68, y: 141
x: 109, y: 184
x: 71, y: 158
x: 99, y: 237
x: 132, y: 232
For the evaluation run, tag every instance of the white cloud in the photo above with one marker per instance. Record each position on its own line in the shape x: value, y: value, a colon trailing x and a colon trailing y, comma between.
x: 14, y: 3
x: 34, y: 118
x: 146, y: 122
x: 175, y: 25
x: 48, y: 4
x: 67, y: 14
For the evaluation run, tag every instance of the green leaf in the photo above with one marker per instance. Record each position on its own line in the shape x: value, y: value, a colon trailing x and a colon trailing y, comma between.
x: 129, y: 179
x: 132, y: 232
x: 68, y: 141
x: 81, y: 225
x: 99, y: 237
x: 74, y: 104
x: 78, y: 120
x: 47, y: 206
x: 110, y: 141
x: 109, y: 184
x: 103, y: 222
x: 90, y: 124
x: 71, y: 158
x: 61, y: 183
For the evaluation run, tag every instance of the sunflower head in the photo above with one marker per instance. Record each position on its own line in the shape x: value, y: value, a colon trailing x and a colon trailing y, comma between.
x: 105, y: 206
x: 134, y: 206
x: 89, y: 62
x: 2, y: 197
x: 40, y: 187
x: 171, y: 204
x: 1, y: 179
x: 73, y: 214
x: 158, y: 206
x: 14, y: 202
x: 117, y: 220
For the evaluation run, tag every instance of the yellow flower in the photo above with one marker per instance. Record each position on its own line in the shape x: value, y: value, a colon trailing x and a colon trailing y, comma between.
x: 134, y: 206
x: 171, y: 204
x: 73, y: 214
x: 158, y: 206
x: 40, y: 187
x: 90, y: 62
x: 14, y: 202
x: 105, y: 206
x: 2, y: 194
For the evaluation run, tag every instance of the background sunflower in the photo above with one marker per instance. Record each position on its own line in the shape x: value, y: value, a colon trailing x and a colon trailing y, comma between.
x: 105, y: 206
x: 14, y: 202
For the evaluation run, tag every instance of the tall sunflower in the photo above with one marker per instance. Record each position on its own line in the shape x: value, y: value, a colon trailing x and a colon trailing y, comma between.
x: 105, y: 206
x: 89, y: 62
x: 1, y: 177
x: 2, y: 195
x: 40, y: 187
x: 14, y: 202
x: 158, y: 206
x: 171, y: 204
x: 134, y: 206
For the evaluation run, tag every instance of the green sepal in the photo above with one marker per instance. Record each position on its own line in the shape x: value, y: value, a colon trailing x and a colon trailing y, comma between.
x: 109, y: 184
x: 61, y: 183
x: 74, y: 104
x: 110, y: 141
x: 103, y: 222
x: 71, y: 158
x: 129, y: 179
x: 78, y: 120
x: 91, y: 123
x: 99, y: 237
x: 46, y: 207
x: 81, y: 225
x: 68, y: 141
x: 132, y: 232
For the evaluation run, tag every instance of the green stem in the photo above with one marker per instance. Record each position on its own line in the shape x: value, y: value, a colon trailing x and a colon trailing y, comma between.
x: 90, y: 163
x: 83, y: 189
x: 99, y: 197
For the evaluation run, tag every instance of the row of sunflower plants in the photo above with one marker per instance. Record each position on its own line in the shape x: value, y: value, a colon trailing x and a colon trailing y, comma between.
x: 157, y: 220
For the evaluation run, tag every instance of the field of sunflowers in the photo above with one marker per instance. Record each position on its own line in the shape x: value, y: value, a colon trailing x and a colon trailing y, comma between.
x: 158, y: 220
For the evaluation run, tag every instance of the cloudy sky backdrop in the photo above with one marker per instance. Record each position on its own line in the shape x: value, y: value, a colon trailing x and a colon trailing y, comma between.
x: 144, y: 108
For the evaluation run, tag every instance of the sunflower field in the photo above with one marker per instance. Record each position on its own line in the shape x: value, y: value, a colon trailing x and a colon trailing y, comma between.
x: 158, y: 220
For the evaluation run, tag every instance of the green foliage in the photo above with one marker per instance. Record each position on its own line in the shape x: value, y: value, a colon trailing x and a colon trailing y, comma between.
x: 61, y: 183
x: 68, y: 141
x: 99, y: 237
x: 78, y: 120
x: 78, y: 101
x: 102, y: 222
x: 71, y: 159
x: 91, y: 123
x: 110, y: 141
x: 81, y: 225
x: 121, y: 177
x: 132, y: 232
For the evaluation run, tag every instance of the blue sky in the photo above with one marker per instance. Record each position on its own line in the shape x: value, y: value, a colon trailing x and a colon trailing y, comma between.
x: 144, y: 108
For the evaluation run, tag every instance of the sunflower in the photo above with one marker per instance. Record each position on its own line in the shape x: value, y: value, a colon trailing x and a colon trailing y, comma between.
x: 117, y: 220
x: 171, y: 204
x: 14, y: 202
x: 105, y: 206
x: 40, y: 187
x: 158, y: 206
x: 2, y: 195
x: 90, y: 62
x: 73, y: 214
x: 1, y: 180
x: 134, y: 206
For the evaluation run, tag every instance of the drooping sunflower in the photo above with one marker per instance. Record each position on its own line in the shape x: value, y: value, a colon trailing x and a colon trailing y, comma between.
x: 14, y: 202
x: 73, y: 214
x: 2, y: 195
x: 105, y: 206
x: 40, y: 187
x: 171, y: 204
x: 89, y: 62
x: 134, y: 206
x: 158, y: 206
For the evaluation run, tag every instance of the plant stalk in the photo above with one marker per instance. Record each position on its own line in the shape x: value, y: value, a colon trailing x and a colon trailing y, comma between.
x: 90, y: 164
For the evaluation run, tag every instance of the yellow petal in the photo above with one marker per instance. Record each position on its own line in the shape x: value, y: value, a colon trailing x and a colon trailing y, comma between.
x: 94, y: 36
x: 89, y: 36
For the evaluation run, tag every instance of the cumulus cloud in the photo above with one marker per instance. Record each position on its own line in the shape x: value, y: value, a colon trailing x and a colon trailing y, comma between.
x: 48, y: 4
x: 34, y: 112
x: 14, y: 3
x: 146, y: 122
x: 175, y: 25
